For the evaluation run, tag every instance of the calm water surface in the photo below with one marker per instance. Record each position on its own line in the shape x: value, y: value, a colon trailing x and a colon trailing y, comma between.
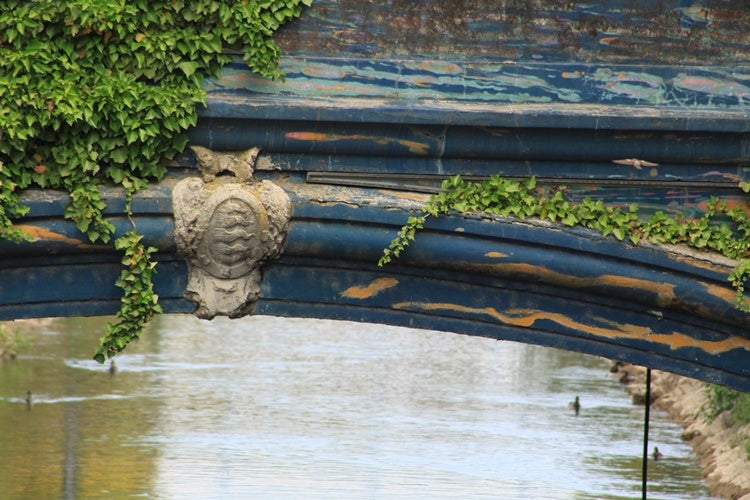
x: 278, y: 408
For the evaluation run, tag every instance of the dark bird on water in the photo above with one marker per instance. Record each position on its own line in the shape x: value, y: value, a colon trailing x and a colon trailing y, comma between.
x: 616, y: 366
x: 112, y: 368
x: 626, y: 378
x: 27, y: 399
x: 657, y: 454
x: 576, y: 405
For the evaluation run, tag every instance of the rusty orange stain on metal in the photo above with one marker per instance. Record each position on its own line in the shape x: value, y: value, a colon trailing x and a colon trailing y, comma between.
x: 526, y: 318
x: 325, y: 72
x: 310, y: 136
x: 495, y: 255
x: 665, y: 292
x: 725, y: 294
x: 40, y: 233
x: 703, y: 264
x: 437, y: 67
x: 413, y: 146
x: 369, y: 290
x: 677, y: 340
x: 741, y: 204
x: 571, y: 74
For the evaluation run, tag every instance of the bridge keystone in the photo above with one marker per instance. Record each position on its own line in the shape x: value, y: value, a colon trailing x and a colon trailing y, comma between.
x: 227, y: 226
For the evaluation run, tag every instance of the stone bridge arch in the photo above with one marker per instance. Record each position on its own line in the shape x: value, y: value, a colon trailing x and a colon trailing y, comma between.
x: 646, y: 103
x: 530, y: 281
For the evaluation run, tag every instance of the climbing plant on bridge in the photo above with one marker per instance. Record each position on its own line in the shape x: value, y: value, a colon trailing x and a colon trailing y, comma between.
x: 101, y: 91
x: 721, y: 228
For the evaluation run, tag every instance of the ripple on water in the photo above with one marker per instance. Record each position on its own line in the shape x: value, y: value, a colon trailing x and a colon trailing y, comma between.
x: 142, y: 363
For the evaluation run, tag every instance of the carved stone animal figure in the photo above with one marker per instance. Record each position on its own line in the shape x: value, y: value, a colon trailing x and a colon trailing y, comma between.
x: 214, y: 163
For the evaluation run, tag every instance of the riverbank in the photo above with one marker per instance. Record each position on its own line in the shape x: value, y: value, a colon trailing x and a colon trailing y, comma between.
x: 718, y: 444
x: 16, y: 335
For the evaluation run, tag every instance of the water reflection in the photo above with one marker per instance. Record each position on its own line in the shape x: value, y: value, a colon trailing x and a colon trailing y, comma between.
x: 297, y: 408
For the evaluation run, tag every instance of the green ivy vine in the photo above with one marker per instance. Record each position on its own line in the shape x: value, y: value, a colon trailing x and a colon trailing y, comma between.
x: 721, y: 228
x: 101, y: 91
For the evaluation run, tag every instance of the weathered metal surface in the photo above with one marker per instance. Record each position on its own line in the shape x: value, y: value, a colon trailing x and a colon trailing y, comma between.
x: 633, y: 102
x: 400, y: 77
x: 532, y: 95
x: 638, y: 65
x: 530, y: 282
x: 670, y: 32
x: 468, y: 142
x: 678, y: 174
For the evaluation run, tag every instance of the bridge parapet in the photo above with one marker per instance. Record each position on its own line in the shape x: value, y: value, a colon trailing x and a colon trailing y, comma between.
x: 643, y: 103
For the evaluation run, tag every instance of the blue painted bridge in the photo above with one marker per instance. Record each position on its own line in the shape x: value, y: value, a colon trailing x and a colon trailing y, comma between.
x: 646, y: 102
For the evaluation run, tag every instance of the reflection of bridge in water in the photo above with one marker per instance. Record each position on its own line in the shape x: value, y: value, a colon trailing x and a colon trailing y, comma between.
x: 362, y: 129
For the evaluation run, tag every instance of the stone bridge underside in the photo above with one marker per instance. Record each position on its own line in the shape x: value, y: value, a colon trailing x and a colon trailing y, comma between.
x: 644, y: 103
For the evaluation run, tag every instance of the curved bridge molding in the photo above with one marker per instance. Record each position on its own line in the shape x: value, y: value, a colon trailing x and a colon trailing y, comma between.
x: 526, y: 281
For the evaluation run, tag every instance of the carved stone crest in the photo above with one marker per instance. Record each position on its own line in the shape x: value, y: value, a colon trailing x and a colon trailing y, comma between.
x: 227, y: 225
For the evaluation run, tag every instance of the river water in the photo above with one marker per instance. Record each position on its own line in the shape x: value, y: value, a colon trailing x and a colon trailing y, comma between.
x: 289, y: 408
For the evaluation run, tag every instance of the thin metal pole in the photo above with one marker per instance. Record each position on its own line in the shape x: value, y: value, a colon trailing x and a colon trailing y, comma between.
x: 647, y: 416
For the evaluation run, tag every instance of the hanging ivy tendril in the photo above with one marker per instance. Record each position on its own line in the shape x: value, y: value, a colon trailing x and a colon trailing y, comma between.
x: 96, y: 92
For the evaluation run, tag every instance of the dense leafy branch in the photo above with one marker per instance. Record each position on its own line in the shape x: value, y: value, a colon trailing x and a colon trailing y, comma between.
x: 100, y: 91
x: 524, y: 199
x: 735, y: 408
x: 139, y: 303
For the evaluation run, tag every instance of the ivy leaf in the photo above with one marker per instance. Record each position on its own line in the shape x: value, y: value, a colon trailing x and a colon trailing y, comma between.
x: 189, y: 67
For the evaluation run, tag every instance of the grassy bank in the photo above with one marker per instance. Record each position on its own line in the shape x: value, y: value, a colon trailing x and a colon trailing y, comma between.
x: 733, y: 406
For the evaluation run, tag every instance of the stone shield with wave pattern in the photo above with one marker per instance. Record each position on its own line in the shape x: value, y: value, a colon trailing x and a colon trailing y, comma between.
x: 226, y: 229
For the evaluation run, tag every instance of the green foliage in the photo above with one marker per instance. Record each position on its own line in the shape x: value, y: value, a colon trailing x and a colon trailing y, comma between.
x: 524, y: 199
x: 735, y: 404
x: 139, y: 303
x: 722, y: 399
x: 12, y: 341
x: 96, y: 91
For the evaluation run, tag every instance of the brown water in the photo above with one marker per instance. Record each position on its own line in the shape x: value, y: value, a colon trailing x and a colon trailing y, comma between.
x: 273, y: 408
